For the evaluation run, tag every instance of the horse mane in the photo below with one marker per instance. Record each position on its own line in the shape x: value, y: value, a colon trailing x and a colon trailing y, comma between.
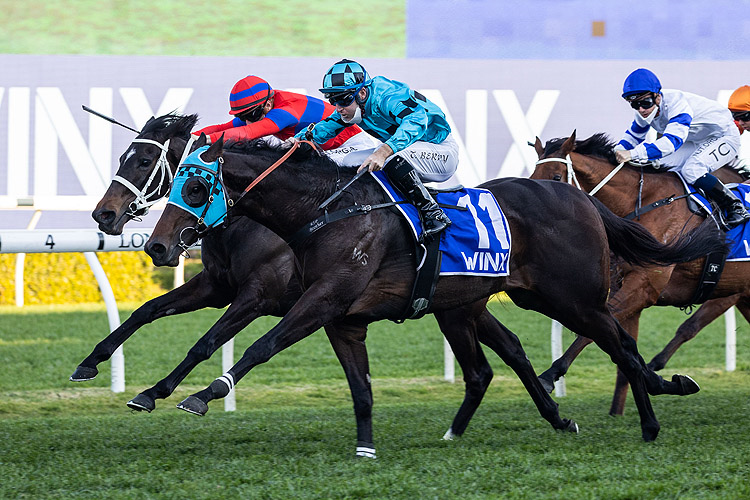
x: 171, y: 125
x: 598, y: 145
x: 301, y: 161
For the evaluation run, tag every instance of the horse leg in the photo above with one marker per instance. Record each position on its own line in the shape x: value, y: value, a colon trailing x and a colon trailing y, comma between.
x: 238, y: 315
x: 196, y: 294
x: 506, y: 344
x: 705, y: 314
x: 630, y: 325
x: 314, y: 309
x: 561, y: 365
x: 459, y: 328
x: 348, y: 342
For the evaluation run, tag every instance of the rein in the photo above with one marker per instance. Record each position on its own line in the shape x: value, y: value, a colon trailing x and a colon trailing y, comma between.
x: 270, y: 169
x: 572, y: 179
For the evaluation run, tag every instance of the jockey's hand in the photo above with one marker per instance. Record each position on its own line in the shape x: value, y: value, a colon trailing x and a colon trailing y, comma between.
x: 377, y: 159
x: 623, y: 155
x: 289, y: 143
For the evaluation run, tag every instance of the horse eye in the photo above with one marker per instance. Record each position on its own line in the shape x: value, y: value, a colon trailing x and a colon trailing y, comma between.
x: 195, y: 192
x: 557, y: 177
x: 145, y: 162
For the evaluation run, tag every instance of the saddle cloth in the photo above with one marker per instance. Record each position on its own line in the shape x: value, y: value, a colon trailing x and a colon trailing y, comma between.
x: 738, y: 237
x: 478, y: 241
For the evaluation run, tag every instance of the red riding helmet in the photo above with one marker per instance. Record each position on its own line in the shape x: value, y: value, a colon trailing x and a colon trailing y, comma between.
x: 248, y: 93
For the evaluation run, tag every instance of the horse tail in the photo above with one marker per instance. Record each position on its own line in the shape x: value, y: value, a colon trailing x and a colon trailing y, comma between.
x: 634, y: 244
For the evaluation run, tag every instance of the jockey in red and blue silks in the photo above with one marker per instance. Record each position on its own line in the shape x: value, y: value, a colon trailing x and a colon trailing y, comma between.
x: 276, y: 115
x: 698, y: 136
x: 417, y: 141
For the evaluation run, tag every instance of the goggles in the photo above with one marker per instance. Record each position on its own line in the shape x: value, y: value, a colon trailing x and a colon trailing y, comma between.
x: 741, y: 116
x: 253, y: 114
x: 645, y: 103
x: 342, y: 99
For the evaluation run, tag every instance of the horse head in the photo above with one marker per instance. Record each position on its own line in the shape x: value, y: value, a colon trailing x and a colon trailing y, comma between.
x: 145, y: 172
x: 554, y: 161
x: 197, y: 203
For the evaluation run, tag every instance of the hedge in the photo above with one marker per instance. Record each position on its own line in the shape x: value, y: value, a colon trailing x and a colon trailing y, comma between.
x: 66, y: 278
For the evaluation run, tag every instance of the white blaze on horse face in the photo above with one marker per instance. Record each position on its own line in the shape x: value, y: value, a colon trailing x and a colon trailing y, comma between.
x: 131, y: 152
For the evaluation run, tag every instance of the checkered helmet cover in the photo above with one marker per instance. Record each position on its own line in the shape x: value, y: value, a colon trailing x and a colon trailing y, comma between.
x: 344, y: 76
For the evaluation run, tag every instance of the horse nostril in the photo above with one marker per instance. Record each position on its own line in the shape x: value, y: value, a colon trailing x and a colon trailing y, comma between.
x: 103, y: 216
x: 155, y: 249
x: 557, y: 177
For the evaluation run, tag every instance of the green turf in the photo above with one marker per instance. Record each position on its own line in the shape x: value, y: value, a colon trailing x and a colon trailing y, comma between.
x: 319, y: 28
x: 292, y: 435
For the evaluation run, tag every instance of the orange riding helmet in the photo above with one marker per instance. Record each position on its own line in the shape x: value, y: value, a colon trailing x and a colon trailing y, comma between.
x: 740, y: 99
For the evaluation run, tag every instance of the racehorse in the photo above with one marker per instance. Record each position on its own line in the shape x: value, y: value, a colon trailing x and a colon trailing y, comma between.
x: 360, y: 269
x: 260, y: 283
x: 247, y: 265
x: 589, y: 162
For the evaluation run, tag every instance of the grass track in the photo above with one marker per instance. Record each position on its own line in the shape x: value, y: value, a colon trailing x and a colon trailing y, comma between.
x: 293, y: 433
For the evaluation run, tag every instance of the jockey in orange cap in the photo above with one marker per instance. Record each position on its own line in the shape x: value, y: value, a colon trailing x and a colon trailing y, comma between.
x: 276, y: 115
x: 739, y: 105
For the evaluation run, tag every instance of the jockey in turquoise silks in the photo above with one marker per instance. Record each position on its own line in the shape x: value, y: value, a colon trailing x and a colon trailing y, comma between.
x: 417, y: 142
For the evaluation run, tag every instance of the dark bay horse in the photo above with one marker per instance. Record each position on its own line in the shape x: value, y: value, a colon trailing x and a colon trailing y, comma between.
x: 258, y: 282
x: 590, y: 161
x: 360, y: 269
x: 250, y: 267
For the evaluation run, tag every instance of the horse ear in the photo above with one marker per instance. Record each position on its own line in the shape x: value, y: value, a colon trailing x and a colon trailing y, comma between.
x: 538, y: 147
x: 201, y: 141
x: 214, y: 151
x: 569, y: 144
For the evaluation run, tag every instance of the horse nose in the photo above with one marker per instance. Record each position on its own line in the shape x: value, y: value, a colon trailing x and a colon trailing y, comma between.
x: 155, y: 250
x: 103, y: 216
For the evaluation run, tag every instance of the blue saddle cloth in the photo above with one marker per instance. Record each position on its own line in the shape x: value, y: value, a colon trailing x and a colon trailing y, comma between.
x: 738, y: 237
x: 477, y: 243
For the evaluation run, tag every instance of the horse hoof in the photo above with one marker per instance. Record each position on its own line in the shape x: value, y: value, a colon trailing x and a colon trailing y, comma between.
x: 650, y: 434
x: 570, y: 426
x: 449, y: 436
x: 687, y: 384
x: 193, y: 405
x: 83, y: 373
x: 365, y: 451
x: 547, y: 384
x: 142, y: 403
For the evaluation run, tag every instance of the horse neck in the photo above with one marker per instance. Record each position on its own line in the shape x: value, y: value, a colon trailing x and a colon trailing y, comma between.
x: 176, y: 152
x: 622, y: 192
x: 281, y: 201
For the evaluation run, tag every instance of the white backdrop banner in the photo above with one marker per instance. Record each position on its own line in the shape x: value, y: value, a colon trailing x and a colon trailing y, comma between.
x: 54, y: 153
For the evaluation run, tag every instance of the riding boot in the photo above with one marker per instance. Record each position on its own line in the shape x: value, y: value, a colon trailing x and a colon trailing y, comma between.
x: 404, y: 178
x: 727, y: 201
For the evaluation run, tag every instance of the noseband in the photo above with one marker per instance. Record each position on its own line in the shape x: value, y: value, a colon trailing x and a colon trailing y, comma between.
x: 140, y: 206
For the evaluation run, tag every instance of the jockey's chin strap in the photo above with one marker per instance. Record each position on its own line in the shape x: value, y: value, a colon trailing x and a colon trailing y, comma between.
x: 141, y: 204
x: 572, y: 179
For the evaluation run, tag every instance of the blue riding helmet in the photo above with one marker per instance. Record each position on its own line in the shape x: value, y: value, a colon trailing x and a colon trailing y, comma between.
x: 640, y: 81
x: 344, y: 76
x: 210, y: 206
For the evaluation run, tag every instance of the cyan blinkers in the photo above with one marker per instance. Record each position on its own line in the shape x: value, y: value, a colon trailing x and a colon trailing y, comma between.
x: 199, y: 190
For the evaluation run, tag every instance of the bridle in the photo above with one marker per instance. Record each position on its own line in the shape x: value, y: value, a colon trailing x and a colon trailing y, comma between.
x: 141, y: 205
x: 572, y: 179
x: 202, y: 226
